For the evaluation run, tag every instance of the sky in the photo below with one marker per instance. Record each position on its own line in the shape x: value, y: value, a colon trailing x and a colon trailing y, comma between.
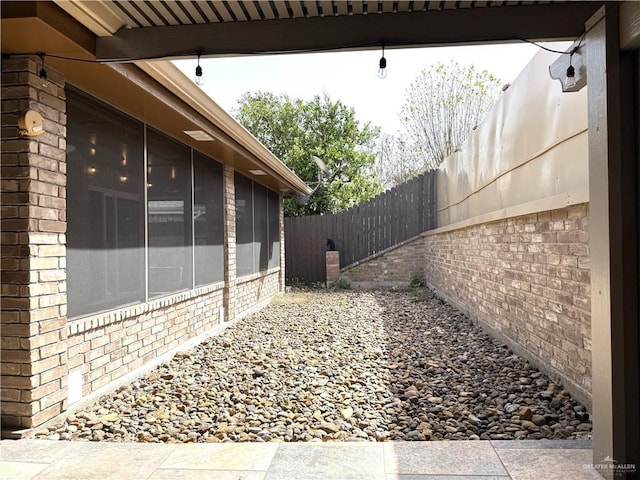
x: 351, y: 77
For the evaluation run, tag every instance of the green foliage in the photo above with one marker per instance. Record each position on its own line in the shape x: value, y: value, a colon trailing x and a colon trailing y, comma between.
x: 340, y: 284
x: 295, y: 130
x: 416, y: 281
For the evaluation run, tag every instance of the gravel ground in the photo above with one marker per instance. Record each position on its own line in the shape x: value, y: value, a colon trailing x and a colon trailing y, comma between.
x: 338, y: 366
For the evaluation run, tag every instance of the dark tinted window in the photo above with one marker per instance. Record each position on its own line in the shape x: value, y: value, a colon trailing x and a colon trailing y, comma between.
x: 105, y: 207
x: 169, y: 215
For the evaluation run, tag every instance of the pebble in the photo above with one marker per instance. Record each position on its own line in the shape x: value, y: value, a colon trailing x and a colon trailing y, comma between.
x: 320, y: 365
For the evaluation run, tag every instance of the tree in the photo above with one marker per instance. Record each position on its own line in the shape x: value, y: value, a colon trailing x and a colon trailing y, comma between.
x: 397, y: 161
x: 296, y: 130
x: 441, y: 108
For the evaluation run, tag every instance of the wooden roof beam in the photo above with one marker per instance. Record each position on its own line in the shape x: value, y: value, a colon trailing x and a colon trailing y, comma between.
x: 357, y: 32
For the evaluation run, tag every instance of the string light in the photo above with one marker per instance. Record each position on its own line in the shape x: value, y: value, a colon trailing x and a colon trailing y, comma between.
x: 43, y: 73
x: 198, y: 79
x: 570, y: 81
x: 382, y: 66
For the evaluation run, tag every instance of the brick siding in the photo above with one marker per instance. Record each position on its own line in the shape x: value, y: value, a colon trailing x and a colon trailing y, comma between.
x: 528, y: 280
x: 103, y: 348
x: 46, y: 359
x: 254, y: 290
x: 34, y: 304
x: 394, y: 265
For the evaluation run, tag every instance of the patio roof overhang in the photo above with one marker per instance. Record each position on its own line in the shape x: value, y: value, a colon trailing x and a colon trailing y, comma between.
x: 145, y: 29
x: 134, y: 29
x: 154, y: 92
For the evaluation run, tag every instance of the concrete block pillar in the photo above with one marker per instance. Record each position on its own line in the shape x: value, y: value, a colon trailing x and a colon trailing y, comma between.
x: 230, y: 293
x: 34, y: 300
x: 333, y: 266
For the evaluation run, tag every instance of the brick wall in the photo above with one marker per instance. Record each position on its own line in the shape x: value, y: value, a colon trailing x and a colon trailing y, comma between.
x: 103, y: 348
x: 332, y: 260
x: 34, y: 357
x: 48, y: 361
x: 229, y: 242
x: 394, y: 265
x: 528, y: 280
x: 255, y: 290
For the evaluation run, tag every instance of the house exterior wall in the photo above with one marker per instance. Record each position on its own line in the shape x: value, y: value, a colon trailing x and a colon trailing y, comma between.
x: 254, y: 290
x: 50, y: 362
x: 524, y: 279
x: 34, y: 333
x: 104, y: 348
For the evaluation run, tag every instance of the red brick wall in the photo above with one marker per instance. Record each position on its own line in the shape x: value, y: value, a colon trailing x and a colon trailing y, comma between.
x: 103, y: 348
x: 528, y: 280
x: 525, y: 279
x: 394, y: 265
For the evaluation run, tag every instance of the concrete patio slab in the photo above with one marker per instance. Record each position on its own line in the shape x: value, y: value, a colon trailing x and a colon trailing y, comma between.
x: 173, y: 474
x: 395, y: 476
x: 21, y: 470
x: 550, y: 464
x: 227, y: 456
x: 107, y: 461
x: 463, y: 460
x: 44, y: 451
x: 443, y: 458
x: 328, y: 461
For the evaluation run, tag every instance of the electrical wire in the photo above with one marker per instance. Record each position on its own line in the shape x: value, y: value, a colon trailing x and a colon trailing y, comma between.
x: 308, y: 50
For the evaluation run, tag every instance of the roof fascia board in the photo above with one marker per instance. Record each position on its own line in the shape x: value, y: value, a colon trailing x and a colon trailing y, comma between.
x: 434, y: 27
x: 175, y: 81
x: 96, y: 16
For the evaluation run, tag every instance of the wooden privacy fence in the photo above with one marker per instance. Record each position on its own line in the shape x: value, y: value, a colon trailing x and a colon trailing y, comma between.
x: 386, y: 220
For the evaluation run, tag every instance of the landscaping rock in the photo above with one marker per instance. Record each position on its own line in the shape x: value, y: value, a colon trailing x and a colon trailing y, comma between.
x: 338, y: 366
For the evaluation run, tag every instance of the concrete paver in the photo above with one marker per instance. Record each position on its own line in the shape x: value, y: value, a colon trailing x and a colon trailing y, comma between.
x: 460, y: 460
x: 442, y: 458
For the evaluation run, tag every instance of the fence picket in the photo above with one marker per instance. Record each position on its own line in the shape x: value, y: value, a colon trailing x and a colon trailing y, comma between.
x: 389, y: 218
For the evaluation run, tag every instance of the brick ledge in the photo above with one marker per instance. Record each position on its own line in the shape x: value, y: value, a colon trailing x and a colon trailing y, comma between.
x: 83, y: 324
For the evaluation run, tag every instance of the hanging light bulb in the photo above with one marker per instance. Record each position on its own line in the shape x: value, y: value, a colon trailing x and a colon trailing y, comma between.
x: 382, y: 66
x: 198, y: 79
x: 570, y: 81
x: 43, y: 73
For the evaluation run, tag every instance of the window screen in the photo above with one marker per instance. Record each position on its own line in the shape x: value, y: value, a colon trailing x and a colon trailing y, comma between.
x: 169, y: 215
x: 257, y: 227
x: 208, y: 220
x: 261, y: 226
x: 105, y: 207
x: 244, y: 225
x: 274, y: 230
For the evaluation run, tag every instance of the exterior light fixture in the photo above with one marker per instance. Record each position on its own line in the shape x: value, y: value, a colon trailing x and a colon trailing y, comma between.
x: 43, y: 73
x: 198, y: 79
x: 382, y: 66
x: 571, y: 74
